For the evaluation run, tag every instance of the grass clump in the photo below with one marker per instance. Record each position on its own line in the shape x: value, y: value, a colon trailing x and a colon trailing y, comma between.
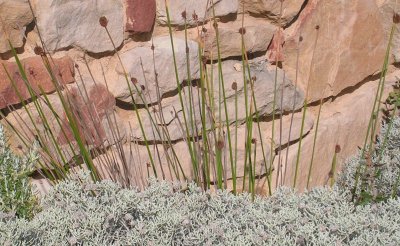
x: 104, y: 213
x: 16, y: 195
x: 82, y: 212
x: 380, y: 170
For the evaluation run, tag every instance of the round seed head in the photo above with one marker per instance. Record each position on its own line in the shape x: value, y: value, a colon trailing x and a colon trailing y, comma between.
x: 103, y: 21
x: 396, y: 18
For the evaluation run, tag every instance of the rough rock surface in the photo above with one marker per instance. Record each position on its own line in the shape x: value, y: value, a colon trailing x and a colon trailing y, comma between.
x: 271, y: 9
x: 63, y: 24
x: 93, y: 109
x: 257, y: 37
x: 15, y: 15
x: 140, y: 15
x: 263, y: 90
x: 202, y: 8
x: 264, y: 77
x: 136, y: 156
x: 141, y: 67
x: 388, y: 8
x: 343, y: 122
x: 37, y: 75
x: 348, y: 46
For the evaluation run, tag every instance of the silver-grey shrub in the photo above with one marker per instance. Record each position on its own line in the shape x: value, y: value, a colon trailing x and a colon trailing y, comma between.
x: 380, y: 178
x: 76, y: 213
x: 16, y: 195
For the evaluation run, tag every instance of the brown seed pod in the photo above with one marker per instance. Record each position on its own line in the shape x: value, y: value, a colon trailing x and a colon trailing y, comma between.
x: 220, y: 144
x: 183, y: 14
x: 215, y: 25
x: 242, y: 30
x: 396, y: 18
x: 38, y: 51
x: 337, y: 149
x: 103, y: 21
x: 195, y: 17
x: 134, y: 81
x: 234, y: 86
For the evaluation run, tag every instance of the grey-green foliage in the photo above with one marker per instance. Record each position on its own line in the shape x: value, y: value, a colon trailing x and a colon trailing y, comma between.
x: 76, y: 213
x: 379, y: 177
x: 16, y: 195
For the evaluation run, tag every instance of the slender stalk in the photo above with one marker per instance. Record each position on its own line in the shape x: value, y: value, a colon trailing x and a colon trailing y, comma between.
x: 314, y: 144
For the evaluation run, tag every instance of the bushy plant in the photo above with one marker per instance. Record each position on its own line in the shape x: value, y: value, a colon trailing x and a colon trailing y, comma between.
x: 16, y: 195
x: 104, y: 213
x: 380, y: 170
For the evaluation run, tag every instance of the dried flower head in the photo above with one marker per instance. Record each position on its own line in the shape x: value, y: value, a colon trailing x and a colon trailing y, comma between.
x: 242, y: 30
x: 195, y: 17
x: 215, y: 25
x: 134, y: 81
x: 220, y: 144
x: 103, y: 21
x: 204, y: 60
x: 396, y: 18
x: 234, y: 86
x: 38, y: 51
x: 337, y: 149
x: 183, y: 14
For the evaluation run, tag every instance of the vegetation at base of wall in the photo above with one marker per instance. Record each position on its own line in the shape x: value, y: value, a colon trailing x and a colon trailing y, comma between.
x: 16, y: 195
x: 380, y: 172
x: 104, y: 213
x: 80, y: 211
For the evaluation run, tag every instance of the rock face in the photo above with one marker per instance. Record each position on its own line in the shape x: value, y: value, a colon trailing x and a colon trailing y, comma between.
x: 388, y: 8
x: 93, y: 108
x: 136, y: 158
x: 141, y: 67
x: 298, y: 52
x: 202, y: 8
x: 174, y: 120
x: 90, y: 110
x: 15, y: 15
x: 343, y: 122
x: 63, y: 24
x: 264, y: 77
x: 271, y: 9
x: 140, y: 15
x: 256, y: 39
x: 37, y: 75
x: 347, y: 46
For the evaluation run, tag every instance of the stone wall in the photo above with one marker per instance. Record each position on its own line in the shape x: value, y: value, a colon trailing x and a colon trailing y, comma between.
x: 327, y: 51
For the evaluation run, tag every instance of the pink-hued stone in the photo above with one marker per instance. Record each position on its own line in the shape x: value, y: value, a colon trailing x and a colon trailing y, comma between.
x: 89, y: 115
x: 334, y: 45
x: 140, y: 15
x: 275, y: 50
x: 38, y: 77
